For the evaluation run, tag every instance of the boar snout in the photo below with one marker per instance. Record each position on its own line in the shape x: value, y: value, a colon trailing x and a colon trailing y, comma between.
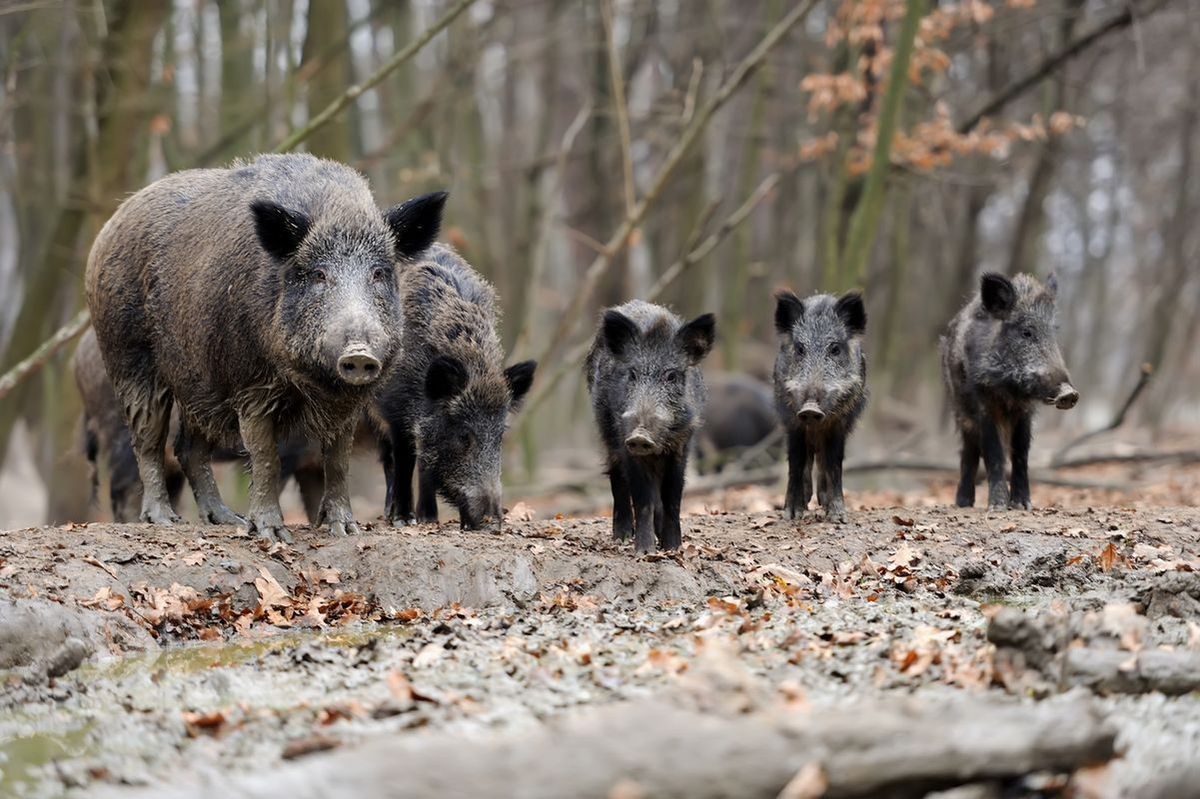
x: 641, y: 442
x: 358, y: 367
x: 1066, y: 397
x: 810, y: 412
x: 481, y: 510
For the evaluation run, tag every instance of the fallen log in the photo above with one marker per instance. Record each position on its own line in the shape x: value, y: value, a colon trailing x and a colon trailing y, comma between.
x: 1111, y: 671
x: 656, y: 749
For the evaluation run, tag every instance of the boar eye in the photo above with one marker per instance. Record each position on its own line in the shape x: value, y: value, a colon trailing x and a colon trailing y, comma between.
x: 1027, y: 333
x: 319, y: 276
x: 379, y: 274
x: 673, y: 376
x: 632, y: 373
x: 835, y: 349
x: 799, y: 350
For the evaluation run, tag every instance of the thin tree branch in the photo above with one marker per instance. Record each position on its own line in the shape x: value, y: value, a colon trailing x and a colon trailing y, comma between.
x: 63, y: 336
x: 619, y: 108
x: 391, y: 65
x: 1147, y: 373
x: 1053, y: 62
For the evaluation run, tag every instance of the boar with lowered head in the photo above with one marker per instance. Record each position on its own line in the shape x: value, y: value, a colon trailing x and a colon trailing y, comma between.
x: 1000, y: 358
x: 820, y: 391
x: 263, y: 299
x: 648, y: 396
x: 445, y: 410
x: 740, y: 415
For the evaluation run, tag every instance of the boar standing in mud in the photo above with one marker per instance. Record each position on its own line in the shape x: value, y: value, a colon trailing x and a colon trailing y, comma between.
x: 648, y: 396
x: 263, y: 299
x: 446, y: 409
x: 820, y: 391
x: 1000, y: 358
x: 740, y: 414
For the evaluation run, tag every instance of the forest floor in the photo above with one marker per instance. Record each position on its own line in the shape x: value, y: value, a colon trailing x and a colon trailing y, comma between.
x: 209, y: 659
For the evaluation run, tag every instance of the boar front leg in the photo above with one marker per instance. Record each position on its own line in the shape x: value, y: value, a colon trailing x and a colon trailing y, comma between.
x: 149, y: 415
x: 265, y: 517
x: 799, y: 485
x: 671, y: 536
x: 195, y: 456
x: 427, y: 510
x: 968, y: 467
x: 1022, y: 437
x: 335, y: 507
x: 643, y: 490
x: 832, y: 455
x: 993, y: 461
x: 622, y: 502
x: 404, y: 461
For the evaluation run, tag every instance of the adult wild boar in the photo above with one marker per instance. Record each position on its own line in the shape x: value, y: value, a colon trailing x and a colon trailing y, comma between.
x: 445, y: 409
x: 740, y: 415
x: 263, y: 299
x: 1000, y: 358
x: 820, y: 391
x: 648, y: 397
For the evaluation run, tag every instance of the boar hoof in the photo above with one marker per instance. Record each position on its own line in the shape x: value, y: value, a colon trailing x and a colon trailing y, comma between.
x: 221, y: 515
x: 835, y: 516
x: 157, y: 514
x: 1020, y: 504
x: 343, y: 529
x: 269, y: 530
x: 622, y: 532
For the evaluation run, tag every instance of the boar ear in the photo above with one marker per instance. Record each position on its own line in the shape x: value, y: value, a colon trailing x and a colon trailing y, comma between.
x: 445, y: 378
x: 415, y: 223
x: 788, y: 310
x: 696, y: 337
x: 998, y: 294
x: 1052, y: 285
x: 520, y: 378
x: 279, y: 230
x: 852, y: 312
x: 619, y: 330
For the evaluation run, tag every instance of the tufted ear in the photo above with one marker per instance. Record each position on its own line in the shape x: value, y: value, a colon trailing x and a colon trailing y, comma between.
x: 998, y: 294
x: 520, y: 379
x: 789, y: 309
x: 619, y: 332
x: 853, y: 312
x: 445, y: 378
x: 415, y: 223
x: 279, y: 230
x: 697, y: 336
x: 1052, y: 285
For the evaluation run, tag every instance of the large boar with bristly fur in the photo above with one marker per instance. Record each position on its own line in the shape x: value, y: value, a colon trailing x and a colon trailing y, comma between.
x: 820, y: 391
x: 263, y: 300
x: 1000, y: 359
x: 648, y: 397
x: 445, y: 410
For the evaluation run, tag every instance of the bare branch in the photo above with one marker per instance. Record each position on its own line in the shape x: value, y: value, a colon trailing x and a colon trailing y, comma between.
x: 620, y: 109
x: 63, y: 336
x: 1147, y: 373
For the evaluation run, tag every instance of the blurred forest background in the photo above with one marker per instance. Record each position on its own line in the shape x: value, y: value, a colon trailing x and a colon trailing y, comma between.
x: 701, y: 152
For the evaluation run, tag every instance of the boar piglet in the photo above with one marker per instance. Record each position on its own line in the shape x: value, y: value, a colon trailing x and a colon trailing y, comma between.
x: 648, y: 396
x: 820, y: 391
x: 1000, y: 358
x: 263, y: 300
x: 446, y: 409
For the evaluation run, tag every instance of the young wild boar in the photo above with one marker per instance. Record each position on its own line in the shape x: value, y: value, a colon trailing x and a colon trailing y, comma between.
x: 446, y: 408
x: 262, y: 298
x: 740, y: 414
x: 648, y: 395
x: 1000, y: 357
x: 820, y: 391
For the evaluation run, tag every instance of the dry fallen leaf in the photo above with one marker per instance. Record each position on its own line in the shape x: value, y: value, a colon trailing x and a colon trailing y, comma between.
x: 429, y: 655
x: 100, y: 565
x: 104, y: 598
x: 194, y: 559
x: 810, y: 782
x: 309, y: 745
x: 271, y: 592
x: 521, y: 512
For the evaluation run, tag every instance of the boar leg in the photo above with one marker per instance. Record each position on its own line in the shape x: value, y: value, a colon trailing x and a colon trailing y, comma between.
x: 427, y: 511
x: 387, y: 459
x: 831, y: 477
x: 671, y: 536
x: 1022, y: 436
x: 993, y: 461
x: 310, y: 479
x: 404, y: 461
x: 265, y: 518
x: 799, y: 487
x: 622, y: 502
x: 643, y: 490
x: 194, y: 451
x: 968, y: 467
x: 149, y: 416
x: 335, y: 507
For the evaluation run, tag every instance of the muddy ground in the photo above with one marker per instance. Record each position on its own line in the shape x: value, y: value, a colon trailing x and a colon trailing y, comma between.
x: 206, y: 655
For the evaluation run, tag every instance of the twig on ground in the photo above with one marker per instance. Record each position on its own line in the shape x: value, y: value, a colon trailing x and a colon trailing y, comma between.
x: 1147, y: 373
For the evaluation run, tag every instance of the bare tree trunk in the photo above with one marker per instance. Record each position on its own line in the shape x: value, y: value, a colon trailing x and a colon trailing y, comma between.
x: 328, y: 80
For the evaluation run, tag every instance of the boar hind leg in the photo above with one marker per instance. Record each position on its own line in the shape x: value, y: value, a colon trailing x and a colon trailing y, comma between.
x: 1022, y: 437
x: 265, y: 519
x: 799, y: 485
x: 310, y: 479
x: 335, y: 507
x: 194, y: 451
x: 671, y: 534
x: 831, y: 478
x: 643, y: 490
x: 968, y: 467
x: 149, y: 415
x: 992, y: 447
x: 622, y: 502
